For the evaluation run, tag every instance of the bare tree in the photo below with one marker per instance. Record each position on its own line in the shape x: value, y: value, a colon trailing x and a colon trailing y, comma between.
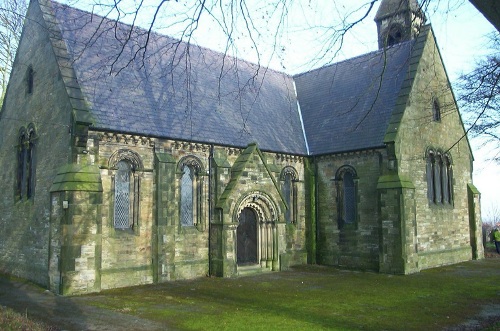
x: 252, y: 28
x: 480, y: 98
x: 239, y: 26
x: 12, y: 14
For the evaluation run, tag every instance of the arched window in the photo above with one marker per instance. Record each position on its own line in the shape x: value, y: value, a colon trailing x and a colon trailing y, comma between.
x: 122, y: 195
x: 187, y: 202
x: 21, y: 162
x: 436, y: 110
x: 289, y: 189
x: 439, y: 177
x: 126, y: 181
x: 30, y: 77
x: 447, y: 180
x: 26, y: 162
x: 190, y: 188
x: 438, y: 180
x: 346, y: 195
x: 431, y: 163
x: 30, y: 160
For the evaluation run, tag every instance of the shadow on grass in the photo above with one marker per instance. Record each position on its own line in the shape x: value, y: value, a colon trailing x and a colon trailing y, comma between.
x: 460, y: 297
x: 313, y: 297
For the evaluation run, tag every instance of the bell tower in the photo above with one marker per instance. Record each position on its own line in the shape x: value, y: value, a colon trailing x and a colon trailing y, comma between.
x: 398, y: 21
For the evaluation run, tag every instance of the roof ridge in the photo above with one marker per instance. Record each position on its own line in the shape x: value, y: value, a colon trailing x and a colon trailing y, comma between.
x: 357, y: 57
x: 139, y: 28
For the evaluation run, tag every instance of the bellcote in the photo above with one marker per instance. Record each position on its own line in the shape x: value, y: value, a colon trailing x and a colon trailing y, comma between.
x: 398, y: 21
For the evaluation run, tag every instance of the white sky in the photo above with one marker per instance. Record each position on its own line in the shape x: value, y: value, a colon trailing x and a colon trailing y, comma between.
x: 459, y: 28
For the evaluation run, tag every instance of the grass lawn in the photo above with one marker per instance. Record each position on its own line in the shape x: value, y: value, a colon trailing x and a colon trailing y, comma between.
x: 465, y: 296
x: 14, y: 321
x: 316, y: 298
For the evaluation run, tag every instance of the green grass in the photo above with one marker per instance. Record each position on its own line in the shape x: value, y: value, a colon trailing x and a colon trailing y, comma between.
x: 13, y: 321
x: 316, y: 298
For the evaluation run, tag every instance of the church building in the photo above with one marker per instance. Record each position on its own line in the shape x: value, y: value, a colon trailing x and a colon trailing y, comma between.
x: 126, y: 165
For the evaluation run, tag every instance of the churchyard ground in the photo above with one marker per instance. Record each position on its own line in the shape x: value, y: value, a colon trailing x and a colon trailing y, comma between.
x: 465, y: 296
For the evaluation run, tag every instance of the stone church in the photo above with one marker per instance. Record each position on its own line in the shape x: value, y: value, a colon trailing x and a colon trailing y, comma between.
x: 126, y: 166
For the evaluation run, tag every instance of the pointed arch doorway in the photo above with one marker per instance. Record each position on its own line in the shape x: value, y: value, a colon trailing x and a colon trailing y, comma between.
x: 247, y: 239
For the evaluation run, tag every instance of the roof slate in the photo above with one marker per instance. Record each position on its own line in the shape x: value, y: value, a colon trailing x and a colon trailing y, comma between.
x: 347, y: 106
x: 181, y: 91
x: 176, y: 90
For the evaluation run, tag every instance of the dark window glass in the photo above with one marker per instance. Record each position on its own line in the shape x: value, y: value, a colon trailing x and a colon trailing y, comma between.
x: 349, y: 203
x: 438, y: 172
x: 30, y: 80
x: 30, y: 160
x: 26, y: 163
x: 439, y: 177
x: 288, y: 194
x: 21, y: 163
x: 430, y: 177
x: 436, y: 110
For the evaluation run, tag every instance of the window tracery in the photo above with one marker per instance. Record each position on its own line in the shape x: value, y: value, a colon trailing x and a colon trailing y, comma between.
x: 439, y: 175
x: 26, y: 162
x: 190, y: 191
x: 125, y: 163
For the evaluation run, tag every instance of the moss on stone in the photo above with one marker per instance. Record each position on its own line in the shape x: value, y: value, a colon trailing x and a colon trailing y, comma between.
x: 75, y: 177
x: 394, y: 181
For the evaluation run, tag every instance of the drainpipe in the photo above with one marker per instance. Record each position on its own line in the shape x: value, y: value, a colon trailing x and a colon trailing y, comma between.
x: 316, y: 209
x: 210, y: 207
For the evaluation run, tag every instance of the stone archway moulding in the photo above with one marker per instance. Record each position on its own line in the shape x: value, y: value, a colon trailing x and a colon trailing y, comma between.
x: 261, y: 203
x: 126, y: 154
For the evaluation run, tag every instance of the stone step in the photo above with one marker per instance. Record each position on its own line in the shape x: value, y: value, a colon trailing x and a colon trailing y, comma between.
x: 252, y: 270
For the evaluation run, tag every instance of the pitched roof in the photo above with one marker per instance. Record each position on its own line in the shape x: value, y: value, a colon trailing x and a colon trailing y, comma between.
x: 186, y: 92
x: 176, y: 90
x: 347, y: 106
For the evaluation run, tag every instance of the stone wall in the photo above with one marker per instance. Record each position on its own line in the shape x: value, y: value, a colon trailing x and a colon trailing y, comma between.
x: 241, y: 174
x: 25, y: 223
x: 443, y: 232
x: 126, y: 256
x: 353, y: 245
x: 159, y: 248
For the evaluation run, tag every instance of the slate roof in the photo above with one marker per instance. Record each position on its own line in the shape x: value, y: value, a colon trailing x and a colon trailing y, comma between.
x: 192, y: 93
x: 177, y: 91
x: 347, y: 106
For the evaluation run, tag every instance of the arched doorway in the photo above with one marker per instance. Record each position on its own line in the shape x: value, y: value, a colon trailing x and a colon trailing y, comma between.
x: 246, y: 234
